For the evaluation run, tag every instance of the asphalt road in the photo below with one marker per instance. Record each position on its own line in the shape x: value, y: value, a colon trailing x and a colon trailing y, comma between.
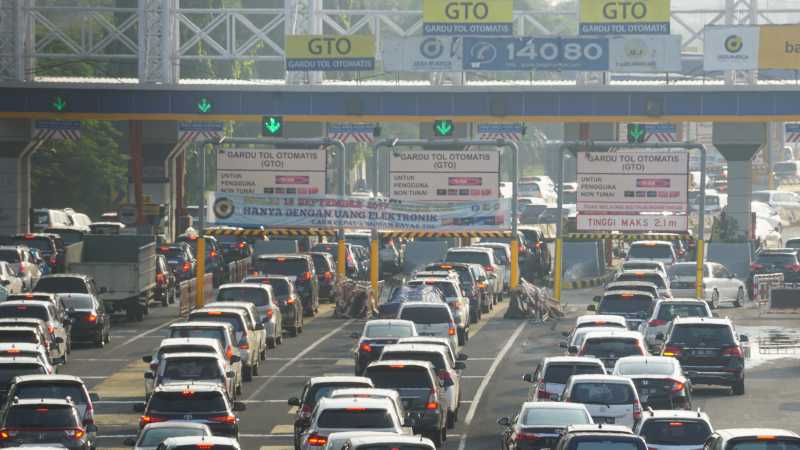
x: 500, y: 352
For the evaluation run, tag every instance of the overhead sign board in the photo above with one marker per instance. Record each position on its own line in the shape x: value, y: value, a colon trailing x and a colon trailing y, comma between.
x: 645, y: 54
x: 633, y: 222
x: 352, y: 132
x: 445, y: 175
x: 730, y: 48
x: 334, y: 52
x: 470, y: 17
x: 272, y: 171
x: 779, y: 47
x: 624, y: 17
x: 535, y: 53
x: 509, y: 131
x: 422, y: 54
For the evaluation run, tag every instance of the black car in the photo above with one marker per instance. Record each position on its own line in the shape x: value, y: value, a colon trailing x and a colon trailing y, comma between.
x: 90, y: 320
x: 708, y: 349
x: 605, y: 436
x: 234, y: 247
x: 351, y: 266
x: 45, y: 421
x: 469, y: 285
x: 326, y: 275
x: 286, y: 298
x: 180, y: 260
x: 402, y: 294
x: 166, y: 285
x: 297, y: 266
x: 71, y: 283
x: 196, y: 402
x: 215, y: 264
x: 539, y: 425
x: 783, y: 261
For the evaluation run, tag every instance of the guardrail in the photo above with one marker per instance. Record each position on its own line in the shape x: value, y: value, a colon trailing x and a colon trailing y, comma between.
x: 188, y: 290
x: 763, y: 285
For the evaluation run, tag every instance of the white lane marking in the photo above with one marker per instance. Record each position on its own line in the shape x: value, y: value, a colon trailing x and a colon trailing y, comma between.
x: 479, y: 359
x: 473, y: 407
x: 299, y: 356
x: 311, y: 358
x: 145, y: 333
x: 471, y: 376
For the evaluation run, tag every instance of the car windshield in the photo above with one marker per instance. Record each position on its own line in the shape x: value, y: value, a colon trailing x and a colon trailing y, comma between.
x: 611, y: 347
x: 51, y: 389
x: 646, y: 251
x: 282, y: 266
x: 42, y: 416
x: 686, y: 270
x: 407, y: 294
x: 500, y: 255
x: 640, y: 266
x: 399, y: 376
x: 61, y: 285
x: 187, y: 401
x: 645, y: 368
x: 211, y: 333
x: 608, y: 443
x: 155, y: 436
x: 602, y: 393
x: 764, y: 444
x: 39, y: 243
x: 559, y: 417
x: 675, y: 432
x: 321, y: 263
x: 649, y: 277
x: 355, y: 418
x: 388, y: 331
x: 667, y: 312
x: 191, y: 369
x: 26, y: 311
x: 9, y: 255
x: 9, y: 371
x: 185, y: 349
x: 468, y: 257
x: 560, y: 373
x: 777, y: 259
x: 617, y: 304
x: 434, y: 358
x: 426, y: 315
x: 701, y: 335
x: 19, y: 335
x: 447, y: 288
x: 255, y: 295
x: 77, y: 302
x: 212, y: 316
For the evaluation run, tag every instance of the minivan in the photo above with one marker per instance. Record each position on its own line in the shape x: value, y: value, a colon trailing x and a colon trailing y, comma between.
x: 431, y: 319
x: 611, y: 400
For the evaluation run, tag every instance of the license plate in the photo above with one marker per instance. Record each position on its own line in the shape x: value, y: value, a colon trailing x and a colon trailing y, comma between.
x: 608, y: 420
x: 427, y: 334
x: 703, y: 353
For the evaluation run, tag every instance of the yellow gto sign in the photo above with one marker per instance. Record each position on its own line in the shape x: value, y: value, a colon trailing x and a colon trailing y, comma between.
x: 477, y: 17
x: 624, y: 16
x: 779, y: 47
x: 318, y: 52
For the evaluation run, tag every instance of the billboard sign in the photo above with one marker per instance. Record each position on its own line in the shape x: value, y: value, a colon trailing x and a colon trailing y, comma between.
x: 535, y: 53
x: 445, y: 175
x: 272, y: 171
x: 422, y: 54
x: 624, y: 17
x: 334, y: 52
x: 457, y: 17
x: 779, y: 47
x: 645, y: 54
x: 730, y: 48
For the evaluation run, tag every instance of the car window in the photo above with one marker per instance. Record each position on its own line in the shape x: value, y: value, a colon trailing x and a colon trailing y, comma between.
x: 607, y: 443
x: 187, y: 401
x: 212, y: 333
x: 355, y: 418
x: 217, y: 316
x: 646, y: 251
x: 777, y: 259
x: 381, y: 330
x: 20, y: 335
x: 61, y: 285
x: 399, y: 377
x: 155, y: 436
x: 611, y: 347
x: 654, y: 278
x: 469, y: 257
x: 9, y: 371
x: 560, y: 373
x: 447, y: 288
x: 645, y: 368
x: 675, y: 432
x: 77, y: 302
x: 425, y: 315
x: 602, y: 393
x: 560, y: 417
x: 27, y: 311
x: 321, y: 263
x: 9, y: 255
x: 702, y: 335
x: 434, y: 358
x: 191, y: 369
x: 42, y: 416
x: 281, y: 266
x: 256, y: 296
x: 686, y: 270
x: 625, y: 304
x: 185, y: 349
x: 667, y: 312
x: 50, y: 389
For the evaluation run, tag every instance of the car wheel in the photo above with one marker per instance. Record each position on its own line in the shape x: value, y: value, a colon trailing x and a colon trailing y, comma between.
x: 738, y: 387
x: 451, y: 420
x: 715, y: 300
x: 473, y: 316
x: 100, y: 342
x: 485, y: 308
x: 739, y: 298
x: 247, y: 373
x: 270, y: 345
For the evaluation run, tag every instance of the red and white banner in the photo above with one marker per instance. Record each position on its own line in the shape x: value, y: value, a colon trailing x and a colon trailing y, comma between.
x: 363, y: 133
x: 57, y: 130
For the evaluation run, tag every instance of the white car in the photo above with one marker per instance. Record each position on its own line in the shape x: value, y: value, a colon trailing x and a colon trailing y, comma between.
x: 379, y: 440
x: 611, y: 345
x: 778, y: 199
x: 666, y: 310
x: 661, y: 251
x: 650, y: 276
x: 262, y: 297
x: 502, y: 254
x: 338, y: 440
x: 175, y: 368
x: 200, y: 442
x: 23, y: 262
x: 674, y: 429
x: 575, y: 340
x: 593, y: 321
x: 154, y: 434
x: 359, y: 392
x: 431, y: 319
x: 485, y: 257
x: 769, y: 214
x: 333, y: 415
x: 9, y: 278
x: 610, y: 399
x: 254, y: 324
x: 551, y: 375
x: 633, y: 265
x: 719, y: 284
x: 456, y: 300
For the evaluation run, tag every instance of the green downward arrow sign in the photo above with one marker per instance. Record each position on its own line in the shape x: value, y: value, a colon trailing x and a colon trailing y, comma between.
x: 59, y: 104
x: 204, y: 105
x: 273, y: 126
x: 636, y: 132
x: 444, y: 127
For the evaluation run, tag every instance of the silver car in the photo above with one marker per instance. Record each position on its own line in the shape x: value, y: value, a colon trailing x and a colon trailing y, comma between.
x: 252, y: 323
x: 46, y: 312
x: 246, y: 339
x: 485, y: 257
x: 192, y: 368
x: 153, y: 434
x: 431, y: 319
x: 262, y: 297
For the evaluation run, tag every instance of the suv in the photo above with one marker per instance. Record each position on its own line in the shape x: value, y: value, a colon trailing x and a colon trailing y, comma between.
x: 502, y: 254
x: 195, y: 402
x: 58, y: 328
x: 459, y: 305
x: 21, y: 259
x: 326, y: 275
x: 246, y: 340
x: 634, y: 306
x: 431, y: 319
x: 708, y: 349
x: 298, y: 267
x: 422, y: 392
x: 661, y: 251
x: 349, y: 414
x: 376, y: 335
x: 469, y: 276
x: 641, y: 286
x: 484, y: 257
x: 215, y: 264
x: 610, y: 345
x: 45, y: 421
x: 184, y: 367
x: 551, y: 375
x: 180, y: 260
x: 749, y: 438
x: 223, y: 332
x: 650, y: 276
x: 665, y: 311
x: 57, y: 386
x: 610, y: 399
x: 403, y: 294
x: 315, y: 389
x: 233, y: 247
x: 674, y: 430
x: 253, y: 322
x: 11, y: 367
x: 606, y: 436
x: 70, y: 283
x: 261, y: 296
x: 286, y: 298
x: 539, y: 425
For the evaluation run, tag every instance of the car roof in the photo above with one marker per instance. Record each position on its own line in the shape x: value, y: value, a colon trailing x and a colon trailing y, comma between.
x: 424, y: 305
x: 628, y: 291
x: 21, y: 345
x: 60, y: 378
x: 377, y: 439
x: 415, y: 348
x: 674, y: 414
x: 402, y: 362
x: 599, y: 378
x: 649, y: 359
x: 552, y: 405
x: 699, y: 320
x: 356, y: 391
x: 41, y: 401
x: 470, y: 249
x: 633, y: 283
x: 734, y: 433
x: 349, y: 402
x: 194, y: 355
x: 643, y: 261
x: 200, y: 324
x: 20, y: 360
x: 44, y: 303
x: 389, y: 322
x: 339, y: 379
x: 598, y: 318
x: 188, y: 340
x: 177, y: 424
x: 287, y: 256
x: 613, y: 333
x: 571, y: 360
x: 194, y: 386
x: 600, y: 428
x: 243, y: 286
x: 192, y: 440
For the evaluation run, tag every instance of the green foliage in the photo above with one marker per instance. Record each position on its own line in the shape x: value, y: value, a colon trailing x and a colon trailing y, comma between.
x: 726, y: 229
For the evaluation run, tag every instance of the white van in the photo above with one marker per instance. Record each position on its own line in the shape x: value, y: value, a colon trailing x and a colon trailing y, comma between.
x: 431, y: 319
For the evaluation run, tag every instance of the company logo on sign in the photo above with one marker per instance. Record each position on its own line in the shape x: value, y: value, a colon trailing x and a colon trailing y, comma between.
x: 431, y: 48
x: 317, y: 52
x: 733, y: 43
x: 454, y: 17
x: 636, y: 49
x: 624, y: 16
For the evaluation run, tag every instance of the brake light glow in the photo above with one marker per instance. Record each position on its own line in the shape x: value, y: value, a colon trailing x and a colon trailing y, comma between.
x: 223, y: 419
x: 657, y: 323
x: 307, y: 276
x: 214, y: 313
x: 42, y: 410
x: 365, y: 347
x: 488, y: 268
x: 53, y: 260
x: 270, y: 313
x: 187, y: 393
x: 7, y: 434
x: 445, y: 266
x: 677, y: 386
x: 161, y: 279
x: 676, y: 424
x: 244, y: 346
x: 51, y: 329
x: 22, y: 308
x: 213, y: 253
x: 671, y: 351
x: 355, y: 409
x: 756, y: 266
x: 793, y: 267
x: 637, y: 410
x: 205, y: 446
x: 13, y: 351
x: 290, y: 301
x: 397, y: 366
x: 187, y: 267
x: 765, y: 438
x: 316, y: 440
x: 280, y: 259
x: 242, y: 245
x: 328, y: 276
x: 144, y: 420
x: 452, y: 330
x: 521, y: 437
x: 733, y: 351
x: 21, y: 269
x: 76, y: 434
x: 432, y: 405
x: 229, y: 353
x: 91, y: 318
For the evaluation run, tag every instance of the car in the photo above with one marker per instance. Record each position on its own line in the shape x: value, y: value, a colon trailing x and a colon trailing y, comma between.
x: 205, y: 403
x: 31, y: 387
x: 9, y: 349
x: 485, y: 257
x: 661, y: 251
x: 222, y: 332
x: 262, y: 297
x: 214, y: 262
x: 12, y: 334
x: 106, y: 227
x: 180, y: 260
x: 502, y: 255
x: 422, y: 393
x: 719, y: 285
x: 45, y: 421
x: 660, y: 381
x: 153, y: 434
x: 538, y: 425
x: 610, y: 345
x: 339, y: 439
x: 53, y: 299
x: 667, y: 309
x: 315, y: 389
x: 68, y: 283
x: 284, y: 295
x: 233, y: 247
x: 749, y: 438
x: 382, y: 441
x: 351, y: 414
x: 300, y: 269
x: 194, y: 345
x: 709, y: 351
x: 325, y: 267
x: 166, y: 282
x: 9, y: 279
x: 431, y: 319
x: 575, y: 340
x: 634, y: 306
x: 46, y: 246
x: 610, y: 399
x: 599, y: 320
x: 455, y: 299
x: 784, y: 261
x: 200, y: 442
x: 14, y: 366
x: 606, y: 436
x: 352, y: 268
x: 551, y: 375
x: 194, y: 367
x: 403, y: 294
x: 246, y: 340
x: 650, y: 276
x: 58, y: 328
x: 635, y: 265
x: 473, y: 282
x: 390, y: 394
x: 438, y: 341
x: 674, y: 430
x: 640, y: 286
x: 89, y: 319
x: 375, y: 335
x: 448, y: 370
x: 26, y: 267
x: 42, y: 218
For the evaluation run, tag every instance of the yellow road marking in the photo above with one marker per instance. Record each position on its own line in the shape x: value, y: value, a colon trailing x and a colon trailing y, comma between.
x: 282, y: 429
x: 127, y: 383
x: 293, y: 410
x: 116, y: 420
x: 345, y: 362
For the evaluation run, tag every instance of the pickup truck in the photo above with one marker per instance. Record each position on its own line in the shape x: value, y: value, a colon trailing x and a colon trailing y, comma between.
x: 124, y: 270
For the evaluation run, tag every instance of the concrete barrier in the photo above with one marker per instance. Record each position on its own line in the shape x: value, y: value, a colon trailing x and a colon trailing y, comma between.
x: 188, y: 298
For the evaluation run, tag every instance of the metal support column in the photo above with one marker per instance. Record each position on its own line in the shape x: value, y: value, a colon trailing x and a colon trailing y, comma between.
x: 137, y: 161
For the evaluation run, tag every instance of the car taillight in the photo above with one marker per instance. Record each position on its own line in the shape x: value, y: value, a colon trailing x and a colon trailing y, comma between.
x: 452, y: 329
x: 161, y: 279
x: 51, y: 329
x: 328, y: 276
x: 445, y: 375
x: 365, y: 347
x: 154, y: 365
x: 522, y: 437
x: 306, y: 276
x: 21, y: 269
x: 7, y: 433
x: 270, y: 313
x: 75, y: 434
x: 187, y: 267
x: 223, y: 419
x: 733, y: 351
x: 53, y: 260
x: 205, y: 446
x: 229, y: 353
x: 483, y: 285
x: 637, y: 410
x: 488, y: 268
x: 756, y: 266
x: 305, y: 411
x: 671, y: 351
x: 316, y: 440
x: 290, y: 301
x: 91, y: 318
x: 541, y: 392
x: 213, y: 253
x: 657, y: 323
x: 244, y: 346
x: 432, y: 403
x: 144, y: 420
x: 677, y: 386
x: 242, y: 245
x: 792, y: 267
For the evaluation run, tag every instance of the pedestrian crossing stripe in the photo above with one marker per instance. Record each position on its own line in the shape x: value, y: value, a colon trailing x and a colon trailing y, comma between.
x: 282, y: 429
x: 627, y: 237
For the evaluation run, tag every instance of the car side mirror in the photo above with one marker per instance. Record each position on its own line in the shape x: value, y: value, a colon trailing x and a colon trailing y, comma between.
x: 236, y: 358
x: 239, y: 406
x: 91, y: 428
x: 597, y: 299
x: 230, y: 374
x: 460, y: 365
x: 527, y: 377
x: 149, y: 376
x: 129, y: 442
x: 147, y: 358
x: 504, y: 421
x: 563, y: 344
x: 138, y: 407
x: 355, y: 335
x: 462, y: 357
x: 591, y: 308
x: 572, y: 350
x: 294, y: 401
x: 660, y: 336
x: 93, y: 396
x: 744, y: 338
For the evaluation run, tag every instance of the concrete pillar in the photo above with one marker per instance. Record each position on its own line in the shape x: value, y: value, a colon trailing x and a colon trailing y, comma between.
x: 15, y: 175
x: 738, y: 143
